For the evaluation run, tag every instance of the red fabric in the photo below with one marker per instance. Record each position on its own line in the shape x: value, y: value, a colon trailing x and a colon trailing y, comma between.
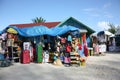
x: 68, y: 48
x: 63, y: 40
x: 79, y: 46
x: 85, y: 50
x: 26, y: 57
x: 83, y: 38
x: 34, y: 53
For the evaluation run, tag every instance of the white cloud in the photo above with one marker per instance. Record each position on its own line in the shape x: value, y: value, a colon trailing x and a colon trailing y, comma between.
x: 107, y: 5
x: 92, y: 12
x: 103, y: 25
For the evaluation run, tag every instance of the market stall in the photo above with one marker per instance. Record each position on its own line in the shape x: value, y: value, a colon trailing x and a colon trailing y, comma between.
x: 36, y: 39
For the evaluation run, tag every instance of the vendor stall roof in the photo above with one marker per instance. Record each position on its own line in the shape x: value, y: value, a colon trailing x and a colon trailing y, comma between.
x: 69, y: 22
x: 105, y: 32
x: 43, y: 30
x: 47, y: 24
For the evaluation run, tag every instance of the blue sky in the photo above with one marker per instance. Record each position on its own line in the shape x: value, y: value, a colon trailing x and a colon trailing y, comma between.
x: 94, y: 13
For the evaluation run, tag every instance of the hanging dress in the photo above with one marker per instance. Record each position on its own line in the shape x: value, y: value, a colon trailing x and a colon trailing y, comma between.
x: 39, y: 53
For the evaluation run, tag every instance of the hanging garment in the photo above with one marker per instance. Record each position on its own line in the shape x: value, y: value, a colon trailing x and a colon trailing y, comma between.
x: 26, y: 45
x: 62, y: 58
x: 85, y: 50
x: 31, y: 53
x: 63, y: 40
x: 67, y: 60
x: 25, y: 56
x: 81, y: 52
x: 1, y: 56
x: 69, y: 38
x: 79, y: 46
x: 84, y: 38
x: 68, y: 48
x: 39, y: 53
x: 10, y: 42
x: 46, y: 56
x: 34, y: 54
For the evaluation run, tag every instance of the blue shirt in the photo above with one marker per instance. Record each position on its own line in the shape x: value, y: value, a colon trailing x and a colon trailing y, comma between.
x: 69, y: 38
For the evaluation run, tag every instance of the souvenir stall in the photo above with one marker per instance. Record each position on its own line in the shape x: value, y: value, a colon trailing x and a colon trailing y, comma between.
x: 104, y: 41
x: 35, y: 39
x: 95, y: 44
x: 67, y: 41
x: 115, y: 41
x: 13, y: 45
x: 61, y: 43
x: 9, y: 47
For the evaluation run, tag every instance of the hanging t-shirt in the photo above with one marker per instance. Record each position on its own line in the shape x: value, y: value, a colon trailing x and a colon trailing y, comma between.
x: 68, y: 48
x: 85, y: 50
x: 26, y: 45
x: 69, y: 38
x: 63, y: 40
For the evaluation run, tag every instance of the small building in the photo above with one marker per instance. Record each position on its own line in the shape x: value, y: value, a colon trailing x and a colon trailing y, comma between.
x: 84, y: 29
x: 47, y: 32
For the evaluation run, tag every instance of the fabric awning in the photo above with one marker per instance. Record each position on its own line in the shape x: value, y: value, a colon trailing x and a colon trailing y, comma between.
x: 43, y: 30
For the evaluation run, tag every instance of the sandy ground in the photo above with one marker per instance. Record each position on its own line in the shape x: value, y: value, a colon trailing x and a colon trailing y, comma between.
x: 97, y: 68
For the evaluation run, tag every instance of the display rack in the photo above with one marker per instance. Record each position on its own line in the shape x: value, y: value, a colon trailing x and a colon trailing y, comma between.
x: 15, y: 54
x: 74, y: 58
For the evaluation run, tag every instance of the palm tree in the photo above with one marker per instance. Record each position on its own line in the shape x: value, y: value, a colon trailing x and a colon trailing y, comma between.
x: 112, y: 28
x: 38, y: 20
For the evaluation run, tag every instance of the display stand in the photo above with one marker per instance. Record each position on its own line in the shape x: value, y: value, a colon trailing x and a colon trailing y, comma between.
x: 74, y: 58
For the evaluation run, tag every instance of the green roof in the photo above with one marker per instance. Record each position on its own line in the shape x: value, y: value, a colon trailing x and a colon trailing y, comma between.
x: 90, y: 31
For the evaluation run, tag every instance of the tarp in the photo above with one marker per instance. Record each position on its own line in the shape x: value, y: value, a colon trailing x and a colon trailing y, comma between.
x: 43, y: 30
